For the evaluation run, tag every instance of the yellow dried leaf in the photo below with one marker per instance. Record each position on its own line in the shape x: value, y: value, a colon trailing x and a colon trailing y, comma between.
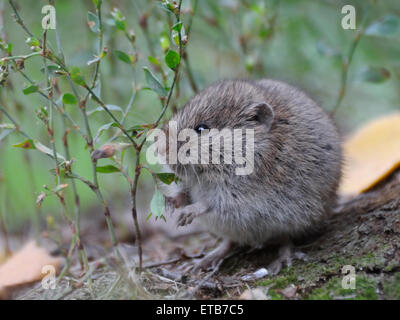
x: 371, y: 155
x: 25, y: 266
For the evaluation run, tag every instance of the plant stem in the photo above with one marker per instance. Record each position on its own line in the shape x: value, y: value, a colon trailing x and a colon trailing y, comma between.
x: 346, y: 64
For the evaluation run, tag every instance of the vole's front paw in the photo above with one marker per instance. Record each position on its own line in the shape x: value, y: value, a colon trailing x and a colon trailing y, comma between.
x: 185, y: 216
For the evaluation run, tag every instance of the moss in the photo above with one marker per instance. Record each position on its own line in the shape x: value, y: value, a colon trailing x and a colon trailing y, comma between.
x: 391, y: 287
x: 287, y: 276
x: 365, y: 290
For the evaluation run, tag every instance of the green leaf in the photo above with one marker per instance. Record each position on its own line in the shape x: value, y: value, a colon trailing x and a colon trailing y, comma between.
x: 387, y: 27
x: 374, y: 74
x: 107, y: 169
x: 164, y: 42
x: 325, y: 50
x: 177, y: 26
x: 123, y: 56
x: 53, y: 70
x: 27, y: 144
x: 9, y: 48
x: 97, y: 3
x: 93, y: 22
x: 46, y: 150
x: 166, y: 5
x: 62, y: 173
x: 110, y: 107
x: 5, y: 133
x: 172, y: 59
x: 166, y: 177
x: 119, y: 19
x: 7, y: 126
x: 102, y: 129
x: 32, y: 42
x: 76, y: 76
x: 69, y: 98
x: 154, y: 60
x: 30, y: 144
x: 153, y: 83
x: 157, y: 204
x: 30, y: 89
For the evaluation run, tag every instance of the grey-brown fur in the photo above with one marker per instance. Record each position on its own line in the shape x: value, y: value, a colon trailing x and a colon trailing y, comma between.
x: 297, y: 163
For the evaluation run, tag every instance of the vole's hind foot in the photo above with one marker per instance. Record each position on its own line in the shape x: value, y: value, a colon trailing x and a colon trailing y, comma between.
x: 214, y: 257
x: 285, y: 258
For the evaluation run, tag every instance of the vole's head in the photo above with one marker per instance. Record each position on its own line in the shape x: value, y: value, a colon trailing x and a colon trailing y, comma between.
x: 207, y: 121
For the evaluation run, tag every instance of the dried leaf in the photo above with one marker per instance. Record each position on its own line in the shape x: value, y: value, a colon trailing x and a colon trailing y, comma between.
x: 254, y: 294
x: 25, y: 266
x: 371, y: 155
x: 40, y: 199
x: 289, y: 291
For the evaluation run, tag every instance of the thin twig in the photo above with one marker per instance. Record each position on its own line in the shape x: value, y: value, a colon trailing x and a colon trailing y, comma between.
x: 346, y: 61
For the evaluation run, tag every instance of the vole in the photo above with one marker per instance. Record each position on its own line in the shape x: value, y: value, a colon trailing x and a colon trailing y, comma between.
x: 297, y: 167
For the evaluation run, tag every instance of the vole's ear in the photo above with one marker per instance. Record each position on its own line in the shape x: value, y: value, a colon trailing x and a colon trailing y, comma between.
x: 263, y: 113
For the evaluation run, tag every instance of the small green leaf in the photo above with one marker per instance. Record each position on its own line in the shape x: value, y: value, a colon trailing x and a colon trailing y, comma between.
x: 9, y: 48
x: 27, y: 144
x: 5, y: 133
x: 164, y: 42
x: 53, y: 70
x: 97, y: 3
x: 76, y: 76
x: 32, y: 42
x: 30, y: 144
x: 30, y: 89
x: 177, y: 26
x: 166, y: 177
x: 7, y: 126
x: 172, y: 59
x: 325, y: 50
x: 62, y: 173
x: 110, y: 107
x: 153, y: 83
x: 149, y: 216
x: 166, y: 5
x: 69, y: 98
x: 107, y: 169
x: 123, y: 56
x: 46, y: 150
x: 387, y: 27
x: 119, y: 19
x: 374, y: 74
x: 157, y: 203
x: 93, y: 22
x: 102, y: 129
x: 154, y: 60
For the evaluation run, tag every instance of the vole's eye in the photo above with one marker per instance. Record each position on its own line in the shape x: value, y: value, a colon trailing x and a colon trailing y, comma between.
x: 201, y: 127
x: 254, y: 118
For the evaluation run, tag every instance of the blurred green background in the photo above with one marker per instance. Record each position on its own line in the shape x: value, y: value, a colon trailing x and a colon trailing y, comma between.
x: 299, y: 41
